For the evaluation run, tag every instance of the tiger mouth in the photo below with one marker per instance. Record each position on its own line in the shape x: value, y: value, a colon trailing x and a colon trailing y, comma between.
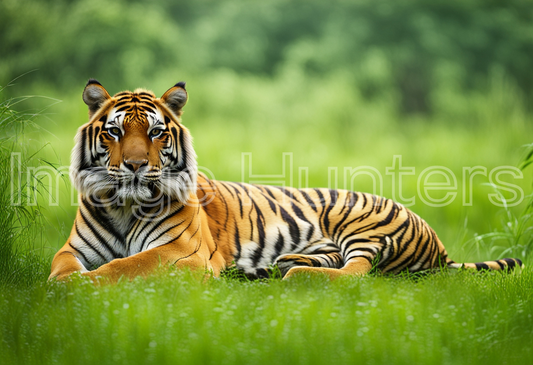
x: 135, y: 179
x: 136, y: 186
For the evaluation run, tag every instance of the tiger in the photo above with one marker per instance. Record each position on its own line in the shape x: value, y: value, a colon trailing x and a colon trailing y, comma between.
x: 144, y: 205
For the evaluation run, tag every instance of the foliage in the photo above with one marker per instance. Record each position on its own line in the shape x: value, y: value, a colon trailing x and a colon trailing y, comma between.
x: 409, y: 47
x: 22, y: 262
x: 515, y: 236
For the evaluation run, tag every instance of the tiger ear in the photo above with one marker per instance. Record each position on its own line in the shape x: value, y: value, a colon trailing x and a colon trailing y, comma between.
x: 175, y: 98
x: 94, y: 95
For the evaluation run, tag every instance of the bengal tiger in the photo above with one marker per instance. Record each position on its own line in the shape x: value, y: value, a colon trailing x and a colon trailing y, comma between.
x: 143, y: 205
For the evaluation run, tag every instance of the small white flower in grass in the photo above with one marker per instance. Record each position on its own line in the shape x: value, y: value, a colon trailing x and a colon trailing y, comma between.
x: 125, y: 306
x: 410, y: 318
x: 273, y: 323
x: 152, y: 344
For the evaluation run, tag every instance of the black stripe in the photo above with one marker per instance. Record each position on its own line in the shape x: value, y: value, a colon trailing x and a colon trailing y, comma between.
x: 294, y: 230
x: 320, y: 197
x: 389, y: 218
x: 91, y: 143
x: 122, y: 102
x: 183, y: 152
x: 278, y: 247
x: 223, y: 199
x: 269, y: 192
x: 195, y: 249
x: 272, y: 204
x: 99, y: 237
x: 88, y: 244
x: 261, y: 232
x: 287, y: 192
x: 359, y: 219
x: 125, y: 107
x: 355, y: 249
x: 237, y: 241
x: 161, y: 221
x: 174, y: 132
x: 311, y: 203
x: 160, y: 235
x: 351, y: 203
x: 78, y: 251
x: 225, y: 187
x: 83, y: 160
x: 357, y: 240
x: 412, y: 258
x: 334, y: 195
x: 310, y: 232
x: 299, y: 212
x: 510, y: 263
x: 105, y: 222
x: 365, y: 200
x: 179, y: 235
x: 481, y: 266
x: 150, y: 105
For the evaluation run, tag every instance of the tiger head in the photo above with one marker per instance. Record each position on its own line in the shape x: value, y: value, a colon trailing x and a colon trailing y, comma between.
x: 134, y: 146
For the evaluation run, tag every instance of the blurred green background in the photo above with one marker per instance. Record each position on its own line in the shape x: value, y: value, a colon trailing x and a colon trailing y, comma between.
x: 339, y: 84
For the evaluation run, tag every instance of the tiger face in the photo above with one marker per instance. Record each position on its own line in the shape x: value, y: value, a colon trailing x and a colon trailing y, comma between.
x: 134, y: 147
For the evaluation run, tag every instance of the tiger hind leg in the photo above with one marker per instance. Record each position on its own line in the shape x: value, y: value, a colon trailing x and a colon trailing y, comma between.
x: 357, y: 254
x: 332, y: 260
x: 357, y: 266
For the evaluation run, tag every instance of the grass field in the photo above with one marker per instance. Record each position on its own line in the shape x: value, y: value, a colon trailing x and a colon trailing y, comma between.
x: 445, y: 317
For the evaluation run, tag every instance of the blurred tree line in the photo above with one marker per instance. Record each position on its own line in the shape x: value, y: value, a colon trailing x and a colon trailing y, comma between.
x: 407, y: 46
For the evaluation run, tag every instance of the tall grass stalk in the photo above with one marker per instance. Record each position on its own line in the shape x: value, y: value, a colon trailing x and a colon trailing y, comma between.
x: 21, y: 259
x: 514, y: 237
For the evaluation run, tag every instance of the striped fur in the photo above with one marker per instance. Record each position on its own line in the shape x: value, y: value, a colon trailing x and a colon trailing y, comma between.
x: 143, y: 205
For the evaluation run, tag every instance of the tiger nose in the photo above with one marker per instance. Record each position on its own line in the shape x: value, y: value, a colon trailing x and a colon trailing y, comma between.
x: 135, y: 165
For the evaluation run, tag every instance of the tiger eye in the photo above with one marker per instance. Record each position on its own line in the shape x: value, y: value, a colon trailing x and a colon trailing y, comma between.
x: 115, y: 131
x: 155, y: 132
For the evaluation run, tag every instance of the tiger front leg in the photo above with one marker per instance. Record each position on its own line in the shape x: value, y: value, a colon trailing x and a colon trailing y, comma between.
x: 65, y: 263
x: 147, y: 262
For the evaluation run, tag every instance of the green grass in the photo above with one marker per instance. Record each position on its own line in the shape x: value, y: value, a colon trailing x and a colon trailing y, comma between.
x: 443, y: 318
x: 22, y: 262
